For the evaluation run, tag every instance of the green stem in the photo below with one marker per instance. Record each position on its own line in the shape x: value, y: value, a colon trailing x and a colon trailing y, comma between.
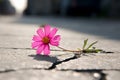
x: 81, y: 51
x: 69, y: 50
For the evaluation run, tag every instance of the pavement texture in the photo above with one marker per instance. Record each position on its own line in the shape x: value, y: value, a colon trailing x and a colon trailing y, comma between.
x: 19, y: 62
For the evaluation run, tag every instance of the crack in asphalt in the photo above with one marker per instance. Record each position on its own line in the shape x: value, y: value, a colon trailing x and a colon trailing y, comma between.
x: 54, y: 65
x: 7, y: 70
x: 16, y: 48
x: 59, y: 62
x: 100, y: 75
x: 91, y: 72
x: 51, y: 49
x: 27, y: 49
x: 13, y: 70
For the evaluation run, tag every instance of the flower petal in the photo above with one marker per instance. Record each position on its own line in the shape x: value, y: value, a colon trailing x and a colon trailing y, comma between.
x: 47, y: 29
x: 40, y: 49
x: 35, y: 44
x: 36, y: 38
x: 53, y: 32
x: 54, y: 43
x: 47, y: 50
x: 56, y: 38
x: 40, y: 33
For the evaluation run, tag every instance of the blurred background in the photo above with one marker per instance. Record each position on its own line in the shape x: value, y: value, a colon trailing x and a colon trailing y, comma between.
x: 85, y: 8
x: 77, y: 20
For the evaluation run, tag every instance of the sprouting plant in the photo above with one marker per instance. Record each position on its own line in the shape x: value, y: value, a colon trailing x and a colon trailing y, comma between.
x: 90, y: 48
x: 46, y: 37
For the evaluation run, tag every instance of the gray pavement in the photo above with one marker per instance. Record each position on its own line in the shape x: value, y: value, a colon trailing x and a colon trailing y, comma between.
x: 19, y: 62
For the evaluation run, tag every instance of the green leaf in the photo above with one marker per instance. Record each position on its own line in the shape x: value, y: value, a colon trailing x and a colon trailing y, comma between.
x: 92, y: 50
x: 78, y: 49
x: 98, y: 50
x: 92, y: 44
x: 85, y: 43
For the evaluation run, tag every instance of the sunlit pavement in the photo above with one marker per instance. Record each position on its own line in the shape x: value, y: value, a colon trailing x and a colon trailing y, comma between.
x: 19, y: 62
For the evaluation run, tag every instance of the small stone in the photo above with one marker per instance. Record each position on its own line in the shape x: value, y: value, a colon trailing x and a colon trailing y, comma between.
x: 97, y: 75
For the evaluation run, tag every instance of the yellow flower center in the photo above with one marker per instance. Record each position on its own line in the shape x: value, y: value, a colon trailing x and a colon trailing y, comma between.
x: 45, y: 40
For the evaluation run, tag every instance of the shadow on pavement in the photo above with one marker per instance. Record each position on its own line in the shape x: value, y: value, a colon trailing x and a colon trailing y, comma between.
x: 44, y: 58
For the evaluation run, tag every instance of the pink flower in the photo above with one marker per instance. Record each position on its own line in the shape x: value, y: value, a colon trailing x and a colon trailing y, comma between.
x: 44, y: 39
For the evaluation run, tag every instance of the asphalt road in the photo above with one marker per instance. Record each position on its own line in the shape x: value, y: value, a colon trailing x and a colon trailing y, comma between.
x: 19, y: 62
